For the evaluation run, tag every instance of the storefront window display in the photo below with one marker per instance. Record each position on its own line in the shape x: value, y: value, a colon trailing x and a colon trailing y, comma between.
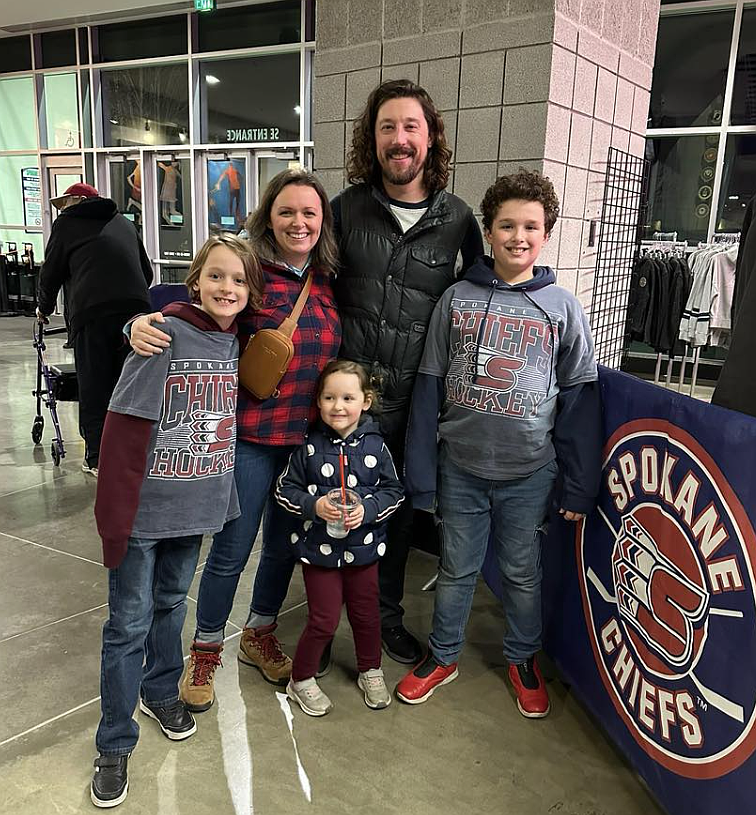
x: 744, y: 92
x: 226, y: 194
x: 179, y: 118
x: 738, y: 181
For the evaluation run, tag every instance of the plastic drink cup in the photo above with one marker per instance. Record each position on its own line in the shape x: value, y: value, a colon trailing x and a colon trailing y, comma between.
x: 337, y: 529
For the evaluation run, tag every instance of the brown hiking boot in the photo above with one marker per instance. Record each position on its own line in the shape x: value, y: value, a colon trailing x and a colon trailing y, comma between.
x: 260, y: 648
x: 196, y: 686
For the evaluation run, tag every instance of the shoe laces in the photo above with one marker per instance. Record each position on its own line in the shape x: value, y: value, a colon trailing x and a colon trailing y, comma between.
x: 205, y: 663
x: 270, y: 648
x: 374, y: 680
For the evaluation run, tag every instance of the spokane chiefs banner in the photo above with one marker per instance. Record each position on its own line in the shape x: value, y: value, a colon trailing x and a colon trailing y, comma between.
x: 650, y: 608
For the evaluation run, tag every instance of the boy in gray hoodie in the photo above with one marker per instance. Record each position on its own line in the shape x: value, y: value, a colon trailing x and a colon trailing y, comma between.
x: 506, y: 414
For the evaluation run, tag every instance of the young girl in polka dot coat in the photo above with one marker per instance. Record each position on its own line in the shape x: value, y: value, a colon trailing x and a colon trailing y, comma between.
x: 337, y: 571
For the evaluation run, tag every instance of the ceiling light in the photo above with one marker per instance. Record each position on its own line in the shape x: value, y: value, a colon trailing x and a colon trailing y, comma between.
x: 212, y: 80
x: 297, y: 109
x: 114, y: 121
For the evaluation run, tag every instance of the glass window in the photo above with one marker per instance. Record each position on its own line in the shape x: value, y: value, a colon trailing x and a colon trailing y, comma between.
x: 19, y: 181
x: 174, y: 209
x: 145, y: 105
x: 173, y: 274
x: 126, y: 189
x: 57, y: 48
x: 83, y: 45
x: 309, y: 20
x: 689, y: 82
x: 226, y: 194
x: 15, y: 54
x: 18, y: 130
x: 61, y: 101
x: 744, y: 93
x: 249, y: 26
x: 681, y: 185
x: 86, y: 109
x: 738, y: 181
x: 251, y: 99
x: 20, y: 237
x: 140, y: 39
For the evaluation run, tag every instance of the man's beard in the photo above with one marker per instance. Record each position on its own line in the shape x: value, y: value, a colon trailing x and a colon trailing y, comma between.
x: 401, y: 177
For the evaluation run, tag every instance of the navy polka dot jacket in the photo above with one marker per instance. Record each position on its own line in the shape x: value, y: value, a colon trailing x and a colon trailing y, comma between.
x: 313, y: 470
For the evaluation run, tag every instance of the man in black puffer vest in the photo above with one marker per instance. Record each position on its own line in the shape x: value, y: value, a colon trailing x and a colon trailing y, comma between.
x: 403, y: 241
x: 98, y: 255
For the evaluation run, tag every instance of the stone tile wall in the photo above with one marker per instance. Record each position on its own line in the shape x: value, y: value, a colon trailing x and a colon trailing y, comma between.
x: 548, y: 84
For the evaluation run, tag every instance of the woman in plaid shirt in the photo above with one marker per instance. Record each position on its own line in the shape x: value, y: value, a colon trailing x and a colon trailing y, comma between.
x: 292, y: 233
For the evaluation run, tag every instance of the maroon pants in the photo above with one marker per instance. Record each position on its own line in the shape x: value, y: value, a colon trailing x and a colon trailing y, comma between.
x: 327, y: 591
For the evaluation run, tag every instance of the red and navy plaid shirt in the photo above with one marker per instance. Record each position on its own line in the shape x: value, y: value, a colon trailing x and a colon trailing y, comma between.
x: 283, y: 420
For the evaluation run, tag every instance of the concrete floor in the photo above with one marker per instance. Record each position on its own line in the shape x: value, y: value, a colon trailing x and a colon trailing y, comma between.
x: 466, y: 750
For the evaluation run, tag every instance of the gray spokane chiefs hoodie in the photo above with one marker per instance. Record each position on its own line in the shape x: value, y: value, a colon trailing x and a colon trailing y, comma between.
x: 507, y: 383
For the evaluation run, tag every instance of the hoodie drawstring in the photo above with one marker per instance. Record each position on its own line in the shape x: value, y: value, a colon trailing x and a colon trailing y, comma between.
x: 481, y: 331
x: 553, y: 337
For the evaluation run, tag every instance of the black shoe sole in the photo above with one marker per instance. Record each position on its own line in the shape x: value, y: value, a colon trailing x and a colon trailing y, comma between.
x: 402, y: 659
x: 199, y: 708
x: 106, y: 803
x: 173, y: 735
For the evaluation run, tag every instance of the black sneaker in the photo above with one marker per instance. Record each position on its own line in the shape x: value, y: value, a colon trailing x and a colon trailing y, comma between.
x: 401, y: 646
x: 175, y: 720
x: 326, y: 661
x: 110, y: 782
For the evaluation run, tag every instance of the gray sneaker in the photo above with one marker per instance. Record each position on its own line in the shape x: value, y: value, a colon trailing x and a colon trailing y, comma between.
x: 373, y: 685
x: 309, y: 697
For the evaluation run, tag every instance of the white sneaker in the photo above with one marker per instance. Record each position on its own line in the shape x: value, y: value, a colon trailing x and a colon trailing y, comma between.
x: 373, y: 685
x: 85, y: 468
x: 308, y: 695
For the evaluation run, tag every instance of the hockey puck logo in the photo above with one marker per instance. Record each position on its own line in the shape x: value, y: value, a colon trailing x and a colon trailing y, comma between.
x: 666, y: 568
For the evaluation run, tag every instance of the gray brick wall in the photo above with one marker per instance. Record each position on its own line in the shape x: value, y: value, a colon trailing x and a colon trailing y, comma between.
x: 548, y: 84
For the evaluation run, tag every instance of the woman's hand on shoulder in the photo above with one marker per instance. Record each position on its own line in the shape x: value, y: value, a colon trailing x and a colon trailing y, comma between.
x: 147, y: 340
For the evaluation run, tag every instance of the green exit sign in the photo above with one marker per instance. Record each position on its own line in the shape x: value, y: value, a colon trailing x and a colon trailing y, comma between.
x: 204, y: 5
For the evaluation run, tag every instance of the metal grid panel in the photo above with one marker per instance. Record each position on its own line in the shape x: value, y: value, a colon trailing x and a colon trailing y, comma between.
x: 625, y: 199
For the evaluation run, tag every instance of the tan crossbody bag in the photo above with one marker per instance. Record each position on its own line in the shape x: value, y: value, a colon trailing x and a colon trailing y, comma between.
x: 268, y: 353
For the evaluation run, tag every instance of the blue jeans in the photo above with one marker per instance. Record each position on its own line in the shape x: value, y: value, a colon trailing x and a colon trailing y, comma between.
x: 469, y: 507
x: 141, y: 640
x: 256, y: 469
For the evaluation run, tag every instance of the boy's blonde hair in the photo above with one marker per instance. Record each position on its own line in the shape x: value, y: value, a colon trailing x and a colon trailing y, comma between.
x: 242, y: 249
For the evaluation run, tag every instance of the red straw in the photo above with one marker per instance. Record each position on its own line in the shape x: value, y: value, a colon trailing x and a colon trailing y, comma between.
x: 341, y: 472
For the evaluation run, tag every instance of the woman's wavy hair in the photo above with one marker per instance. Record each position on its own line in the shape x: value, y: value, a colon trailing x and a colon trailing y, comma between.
x: 260, y: 233
x: 362, y: 160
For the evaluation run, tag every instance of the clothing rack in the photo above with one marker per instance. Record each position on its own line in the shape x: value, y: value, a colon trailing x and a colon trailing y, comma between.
x: 717, y: 239
x: 664, y: 236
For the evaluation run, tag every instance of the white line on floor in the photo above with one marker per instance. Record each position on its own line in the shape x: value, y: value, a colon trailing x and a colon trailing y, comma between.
x: 36, y: 727
x: 33, y: 486
x: 50, y: 548
x: 54, y: 622
x: 283, y: 701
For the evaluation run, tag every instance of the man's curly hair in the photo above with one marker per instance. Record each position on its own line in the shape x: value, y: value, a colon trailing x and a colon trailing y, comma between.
x: 362, y: 161
x: 524, y: 185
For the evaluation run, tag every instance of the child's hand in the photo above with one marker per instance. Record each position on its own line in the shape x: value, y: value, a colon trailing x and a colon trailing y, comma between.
x: 326, y: 510
x: 355, y: 517
x: 571, y: 516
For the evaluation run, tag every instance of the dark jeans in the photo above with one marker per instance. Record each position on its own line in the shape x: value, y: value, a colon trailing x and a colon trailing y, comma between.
x: 255, y: 472
x: 327, y: 591
x: 141, y: 640
x: 99, y: 353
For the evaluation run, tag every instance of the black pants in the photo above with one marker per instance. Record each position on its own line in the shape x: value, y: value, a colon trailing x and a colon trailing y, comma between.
x: 405, y: 527
x: 100, y: 350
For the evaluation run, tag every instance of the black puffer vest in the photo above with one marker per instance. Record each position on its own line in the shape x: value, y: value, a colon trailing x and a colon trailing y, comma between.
x: 388, y: 284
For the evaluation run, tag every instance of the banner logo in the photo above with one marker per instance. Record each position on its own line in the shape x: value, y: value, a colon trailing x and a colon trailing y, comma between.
x: 666, y: 568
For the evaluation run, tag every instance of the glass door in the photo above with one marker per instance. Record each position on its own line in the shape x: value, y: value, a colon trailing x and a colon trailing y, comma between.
x: 173, y: 214
x: 125, y: 179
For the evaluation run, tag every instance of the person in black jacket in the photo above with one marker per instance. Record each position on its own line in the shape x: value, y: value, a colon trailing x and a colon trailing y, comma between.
x: 97, y: 254
x: 403, y: 241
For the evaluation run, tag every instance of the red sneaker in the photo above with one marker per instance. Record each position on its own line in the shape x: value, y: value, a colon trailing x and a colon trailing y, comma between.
x: 418, y: 686
x: 530, y: 689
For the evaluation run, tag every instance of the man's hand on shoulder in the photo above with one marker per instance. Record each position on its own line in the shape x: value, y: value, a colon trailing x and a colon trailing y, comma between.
x: 146, y: 340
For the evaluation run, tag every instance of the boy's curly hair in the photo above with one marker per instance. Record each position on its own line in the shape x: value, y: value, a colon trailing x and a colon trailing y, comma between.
x: 362, y: 162
x: 524, y: 185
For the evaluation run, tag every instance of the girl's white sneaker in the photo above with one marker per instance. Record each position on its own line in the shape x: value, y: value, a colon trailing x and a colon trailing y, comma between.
x: 373, y: 685
x: 308, y: 695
